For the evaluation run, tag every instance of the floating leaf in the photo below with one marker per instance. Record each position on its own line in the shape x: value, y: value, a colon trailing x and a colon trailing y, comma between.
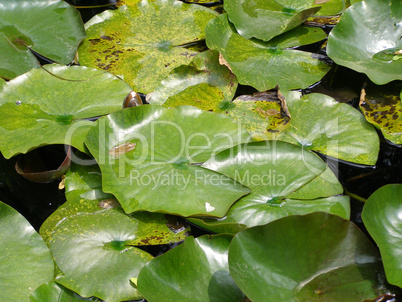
x: 266, y: 65
x: 160, y: 174
x: 25, y: 260
x: 382, y: 107
x: 84, y: 195
x: 95, y: 254
x: 197, y: 270
x: 331, y: 7
x: 273, y: 170
x: 204, y: 84
x: 52, y: 106
x: 22, y: 30
x: 52, y: 291
x: 382, y: 216
x: 316, y: 257
x: 321, y: 124
x: 144, y: 43
x: 267, y: 19
x: 261, y: 114
x: 357, y: 43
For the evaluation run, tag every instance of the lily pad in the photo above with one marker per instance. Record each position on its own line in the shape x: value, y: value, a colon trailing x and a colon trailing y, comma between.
x: 261, y: 114
x: 266, y: 19
x: 96, y: 256
x: 321, y: 124
x: 330, y: 259
x: 144, y: 43
x: 382, y: 107
x: 204, y: 83
x: 52, y: 291
x: 25, y: 260
x: 84, y: 195
x: 331, y: 7
x: 357, y: 43
x: 274, y: 170
x: 22, y: 30
x: 155, y: 169
x: 197, y: 270
x: 266, y: 65
x: 61, y: 101
x: 382, y: 216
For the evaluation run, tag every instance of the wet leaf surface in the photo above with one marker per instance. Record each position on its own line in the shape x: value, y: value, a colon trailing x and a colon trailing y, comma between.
x: 53, y: 106
x: 160, y: 174
x: 22, y: 30
x: 266, y: 65
x: 52, y: 291
x: 382, y: 107
x: 274, y: 170
x: 381, y: 215
x: 144, y: 43
x: 197, y: 270
x: 204, y: 83
x: 329, y: 259
x: 25, y: 260
x: 266, y: 19
x: 357, y: 43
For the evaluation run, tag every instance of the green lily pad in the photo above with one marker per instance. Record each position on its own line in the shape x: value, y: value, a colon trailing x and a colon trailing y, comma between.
x: 147, y: 156
x: 321, y: 124
x: 357, y: 43
x: 94, y: 251
x: 382, y: 218
x: 261, y: 114
x: 52, y: 291
x: 84, y: 195
x: 37, y: 26
x: 266, y: 65
x: 330, y: 259
x: 274, y: 170
x: 382, y: 107
x: 266, y: 19
x: 197, y: 270
x: 53, y: 105
x: 25, y: 260
x: 204, y: 84
x: 144, y: 43
x: 331, y: 7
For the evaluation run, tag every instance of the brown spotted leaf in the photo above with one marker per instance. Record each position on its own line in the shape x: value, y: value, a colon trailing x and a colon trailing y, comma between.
x: 143, y: 43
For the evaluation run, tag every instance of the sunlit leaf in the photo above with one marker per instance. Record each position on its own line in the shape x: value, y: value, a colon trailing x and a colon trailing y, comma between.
x: 367, y: 39
x: 25, y: 260
x: 382, y: 216
x: 51, y: 28
x: 53, y: 106
x: 51, y: 291
x: 197, y: 270
x: 316, y: 257
x: 144, y: 43
x: 265, y: 65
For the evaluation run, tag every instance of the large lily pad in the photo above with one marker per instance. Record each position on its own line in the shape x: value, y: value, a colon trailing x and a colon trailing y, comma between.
x: 147, y: 156
x: 51, y: 28
x: 382, y: 216
x: 330, y: 259
x: 367, y: 39
x: 144, y: 43
x: 266, y: 19
x: 265, y: 65
x: 95, y: 254
x: 25, y: 260
x: 195, y: 84
x: 85, y: 195
x: 275, y: 171
x: 197, y: 270
x: 321, y: 124
x: 53, y: 105
x: 382, y: 107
